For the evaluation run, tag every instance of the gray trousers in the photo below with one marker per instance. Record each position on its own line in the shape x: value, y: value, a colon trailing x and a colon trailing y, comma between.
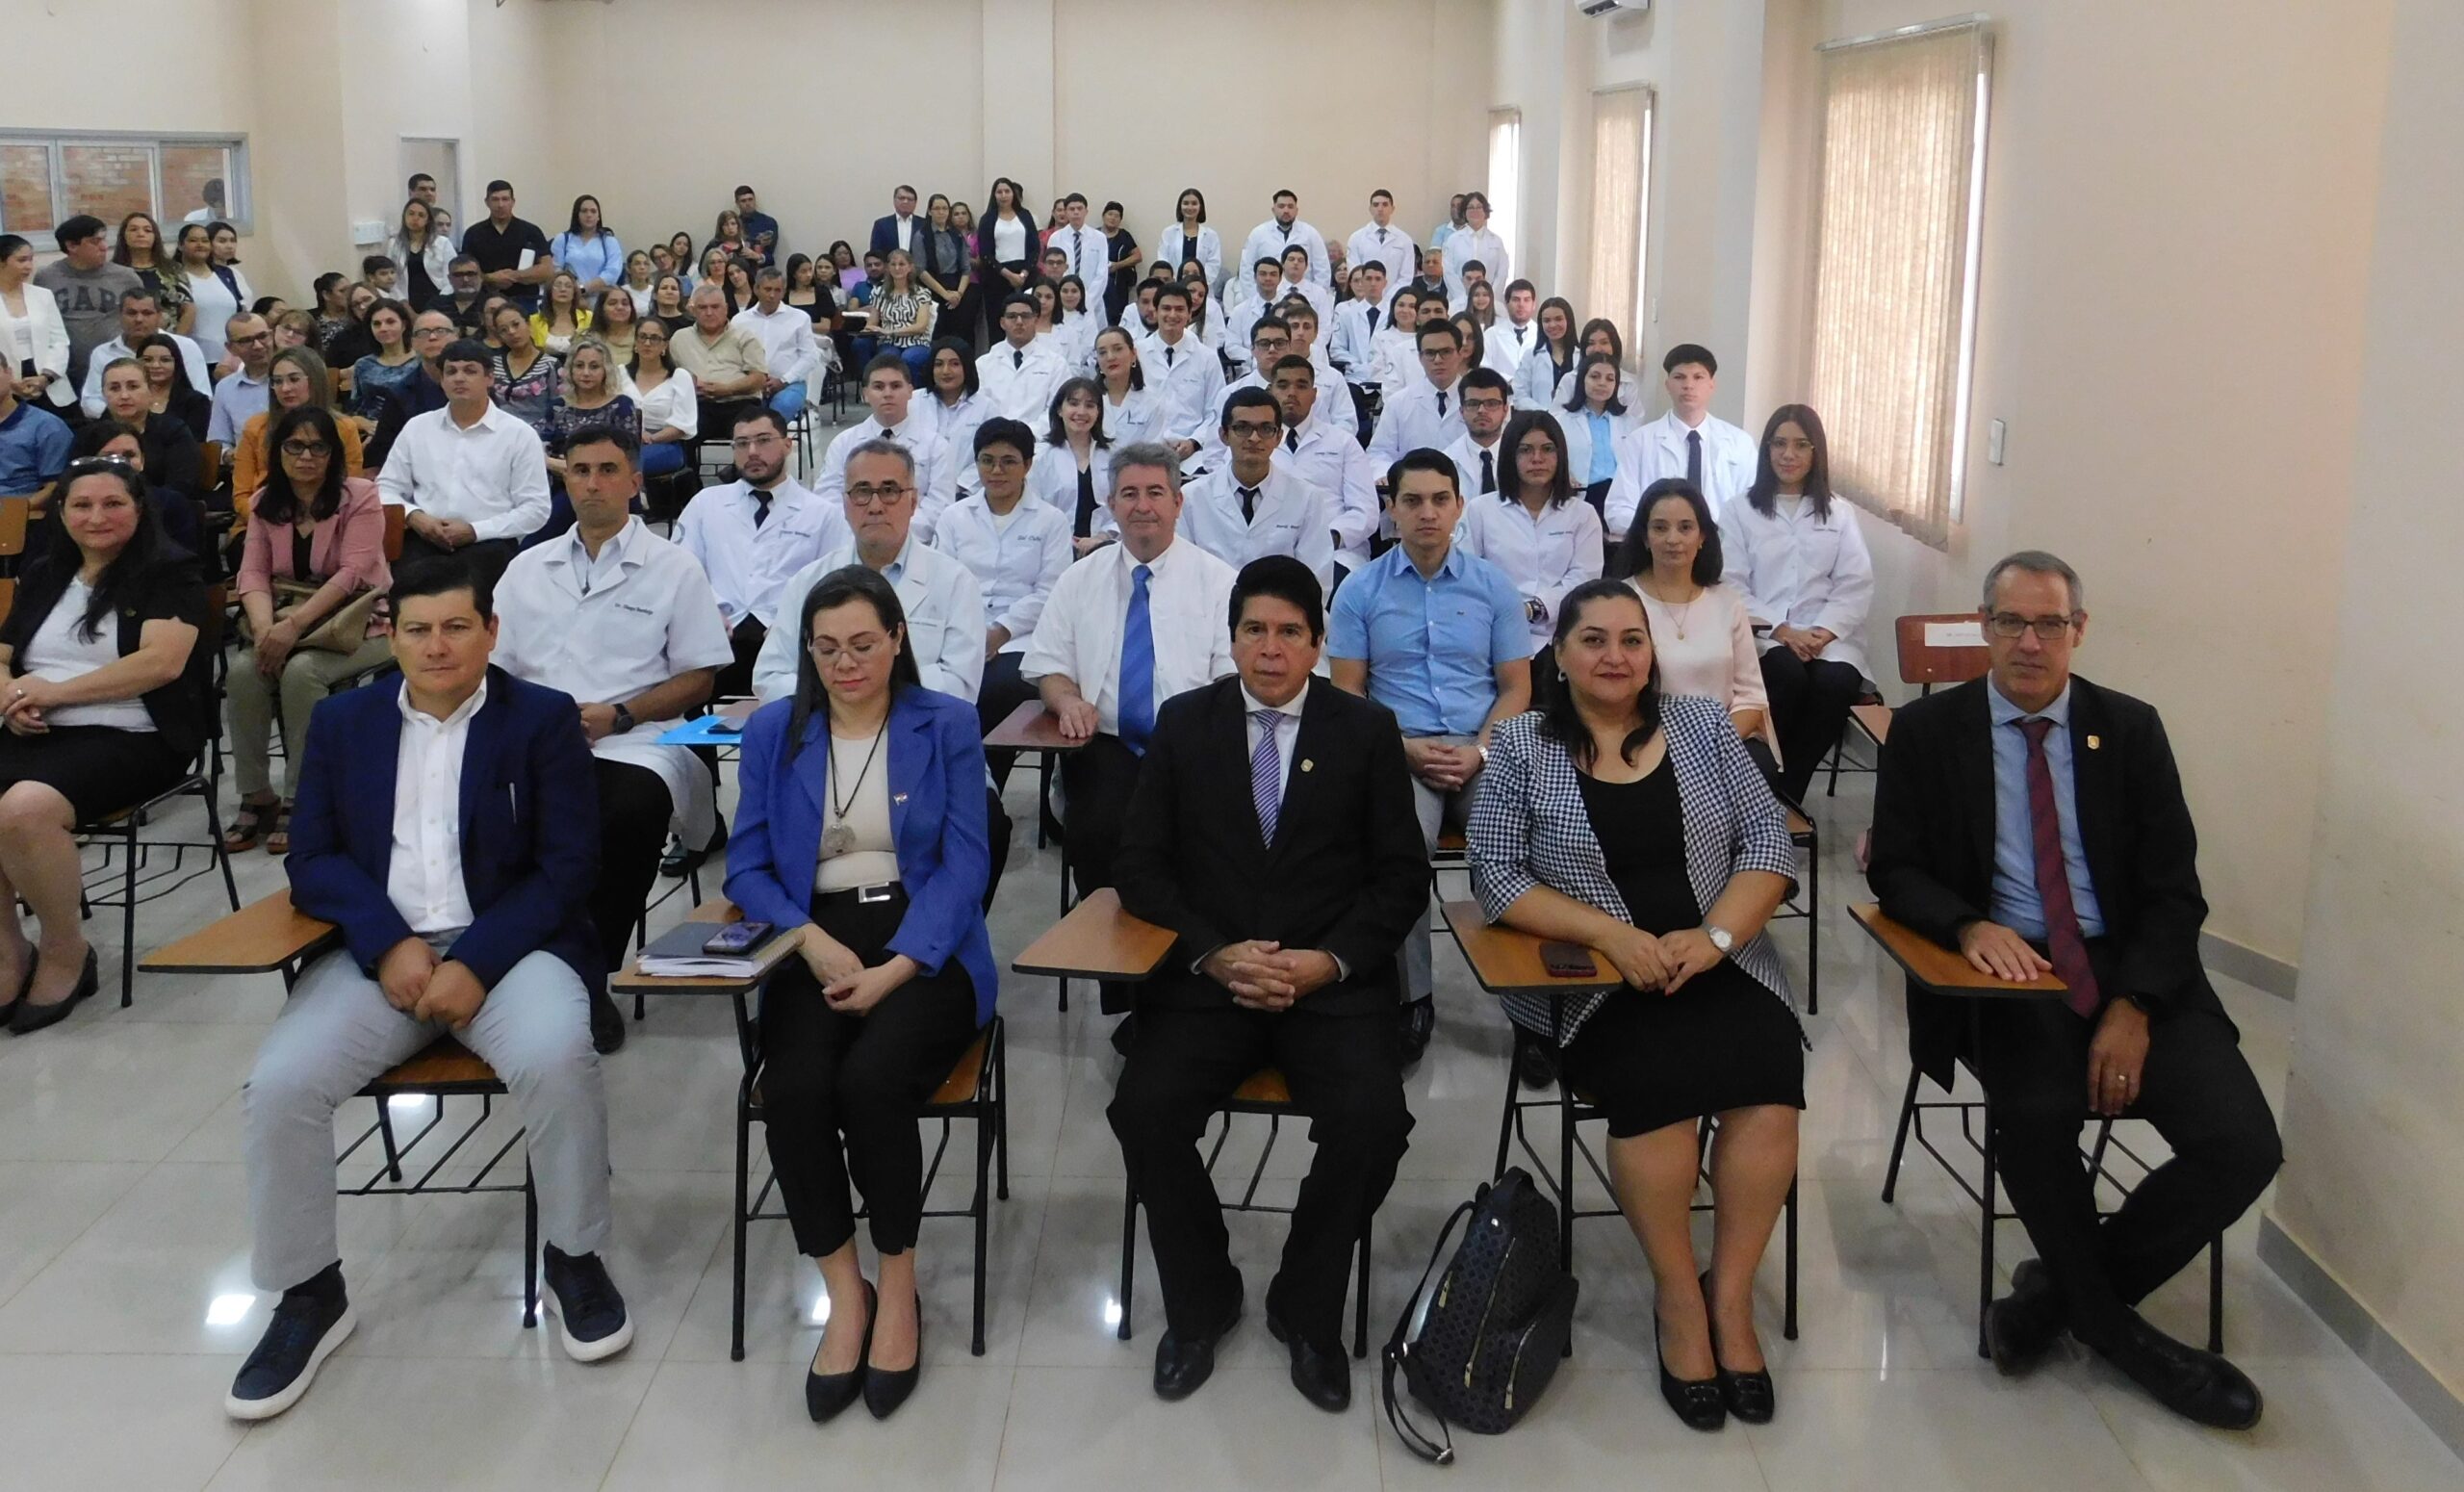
x: 307, y: 677
x: 337, y: 1033
x: 1439, y: 812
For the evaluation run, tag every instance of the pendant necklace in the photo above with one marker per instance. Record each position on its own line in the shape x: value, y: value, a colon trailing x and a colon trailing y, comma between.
x: 839, y: 839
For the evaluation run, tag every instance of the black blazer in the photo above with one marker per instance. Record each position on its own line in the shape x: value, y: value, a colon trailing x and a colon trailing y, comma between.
x: 1348, y: 872
x: 171, y: 588
x: 1932, y: 861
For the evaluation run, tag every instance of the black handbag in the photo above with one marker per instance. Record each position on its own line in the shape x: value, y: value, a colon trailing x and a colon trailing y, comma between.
x: 1480, y: 1349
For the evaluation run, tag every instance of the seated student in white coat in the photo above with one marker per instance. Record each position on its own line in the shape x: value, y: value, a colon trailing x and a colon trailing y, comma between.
x: 954, y: 399
x: 1595, y: 417
x: 1073, y: 470
x: 752, y: 533
x: 1257, y: 299
x: 1016, y: 549
x: 1185, y: 375
x: 1428, y: 414
x: 1296, y: 282
x: 1689, y: 441
x: 1535, y: 528
x: 1328, y: 458
x: 1247, y: 508
x: 1308, y: 328
x: 1793, y: 547
x: 945, y: 604
x: 627, y: 624
x: 1021, y: 371
x: 1474, y: 242
x: 1351, y: 345
x: 1555, y: 354
x: 1130, y: 408
x: 1395, y: 351
x: 895, y: 418
x: 1479, y: 452
x: 1600, y: 334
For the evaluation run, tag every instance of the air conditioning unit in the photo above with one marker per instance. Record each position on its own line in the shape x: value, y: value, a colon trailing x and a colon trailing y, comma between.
x: 1615, y: 6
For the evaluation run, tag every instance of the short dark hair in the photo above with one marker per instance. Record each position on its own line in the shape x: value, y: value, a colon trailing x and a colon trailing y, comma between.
x: 1441, y: 327
x: 1013, y: 301
x: 764, y: 414
x: 371, y: 262
x: 1526, y: 286
x: 1172, y: 291
x: 1380, y: 192
x: 442, y: 575
x: 1470, y: 265
x: 142, y: 292
x: 1267, y: 262
x: 496, y: 186
x: 459, y: 260
x: 1366, y: 266
x: 1001, y: 430
x: 1285, y: 192
x: 1077, y: 198
x: 1424, y: 458
x: 1249, y: 399
x: 886, y: 362
x: 1269, y: 322
x: 743, y: 190
x: 620, y: 436
x: 77, y: 230
x: 416, y: 178
x: 464, y: 349
x: 1294, y: 360
x: 1488, y: 378
x: 1285, y: 578
x: 1686, y: 352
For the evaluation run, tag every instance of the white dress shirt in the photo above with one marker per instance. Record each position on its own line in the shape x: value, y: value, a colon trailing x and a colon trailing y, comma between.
x: 1466, y: 453
x: 1463, y: 246
x: 192, y: 358
x: 492, y: 475
x: 1186, y: 380
x: 748, y: 566
x: 1210, y: 252
x: 1388, y: 245
x: 1290, y: 518
x: 787, y: 339
x: 1014, y: 558
x: 1328, y: 458
x: 936, y: 477
x: 1418, y: 415
x: 1020, y: 381
x: 1651, y: 451
x: 672, y: 406
x: 944, y: 620
x: 1089, y: 251
x: 1270, y: 239
x: 607, y: 630
x: 1545, y: 555
x: 1287, y: 732
x: 1800, y: 569
x: 424, y: 874
x: 1189, y: 597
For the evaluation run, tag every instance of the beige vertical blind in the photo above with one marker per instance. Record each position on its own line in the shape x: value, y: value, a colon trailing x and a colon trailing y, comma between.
x: 1621, y: 155
x: 1895, y: 267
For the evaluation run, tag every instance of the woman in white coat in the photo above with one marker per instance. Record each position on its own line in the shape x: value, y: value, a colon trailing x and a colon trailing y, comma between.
x: 34, y: 339
x: 1793, y: 547
x: 1130, y: 413
x: 1073, y: 473
x: 1189, y: 241
x: 1595, y: 415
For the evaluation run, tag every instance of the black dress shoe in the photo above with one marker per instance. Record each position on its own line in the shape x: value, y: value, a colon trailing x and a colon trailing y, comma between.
x: 825, y: 1394
x: 1184, y: 1364
x: 607, y: 1023
x: 1696, y: 1400
x: 1321, y: 1375
x: 884, y: 1390
x: 2199, y: 1386
x: 1419, y: 1025
x: 2023, y: 1326
x: 31, y: 1018
x: 1535, y: 1066
x: 1748, y: 1396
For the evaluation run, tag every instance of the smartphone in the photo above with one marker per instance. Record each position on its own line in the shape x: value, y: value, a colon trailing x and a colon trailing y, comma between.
x: 725, y: 727
x: 737, y: 938
x: 1567, y: 961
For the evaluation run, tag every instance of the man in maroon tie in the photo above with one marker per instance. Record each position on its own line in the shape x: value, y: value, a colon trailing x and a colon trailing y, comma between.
x: 2034, y: 821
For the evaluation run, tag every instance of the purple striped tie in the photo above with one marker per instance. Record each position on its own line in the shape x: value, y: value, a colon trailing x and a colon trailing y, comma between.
x: 2068, y: 950
x: 1265, y: 775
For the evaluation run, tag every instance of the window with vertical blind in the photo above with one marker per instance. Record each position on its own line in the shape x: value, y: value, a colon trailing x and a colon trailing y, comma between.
x: 1506, y: 183
x: 1902, y: 175
x: 1621, y: 171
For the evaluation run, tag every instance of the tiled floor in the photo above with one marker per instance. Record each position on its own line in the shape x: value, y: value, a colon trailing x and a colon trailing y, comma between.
x: 124, y: 1303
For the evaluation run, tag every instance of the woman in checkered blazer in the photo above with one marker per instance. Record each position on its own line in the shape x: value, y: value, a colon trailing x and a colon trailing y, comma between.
x: 1636, y: 825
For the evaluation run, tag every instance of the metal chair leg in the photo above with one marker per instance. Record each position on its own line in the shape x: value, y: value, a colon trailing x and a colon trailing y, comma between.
x: 1360, y: 1300
x: 128, y: 927
x: 1899, y: 1143
x: 743, y: 1184
x: 1788, y: 1262
x: 385, y: 1133
x: 1128, y: 1254
x: 2215, y: 1294
x: 983, y: 1209
x: 1814, y: 926
x: 529, y: 1247
x: 1984, y: 1258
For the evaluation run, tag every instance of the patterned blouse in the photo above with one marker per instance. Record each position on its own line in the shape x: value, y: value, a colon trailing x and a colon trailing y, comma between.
x: 893, y: 308
x: 529, y: 396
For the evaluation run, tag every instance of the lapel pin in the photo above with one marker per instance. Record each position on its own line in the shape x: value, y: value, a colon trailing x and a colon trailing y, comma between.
x: 2094, y: 741
x: 1308, y: 765
x: 899, y: 798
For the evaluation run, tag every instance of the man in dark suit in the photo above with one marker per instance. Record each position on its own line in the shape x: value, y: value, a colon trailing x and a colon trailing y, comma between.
x: 2035, y: 822
x: 448, y: 825
x: 897, y: 230
x: 1272, y: 831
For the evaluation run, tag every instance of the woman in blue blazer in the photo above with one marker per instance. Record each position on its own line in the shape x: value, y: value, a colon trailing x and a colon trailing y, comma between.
x: 861, y: 826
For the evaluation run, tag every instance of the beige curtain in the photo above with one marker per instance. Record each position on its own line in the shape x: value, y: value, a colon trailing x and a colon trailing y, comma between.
x: 1892, y: 301
x: 1621, y: 135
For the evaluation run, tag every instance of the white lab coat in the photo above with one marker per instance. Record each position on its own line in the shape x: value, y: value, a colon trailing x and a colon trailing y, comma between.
x: 1803, y: 572
x: 1656, y: 450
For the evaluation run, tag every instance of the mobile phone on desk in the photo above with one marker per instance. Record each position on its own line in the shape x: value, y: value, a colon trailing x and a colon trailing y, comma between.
x: 1567, y: 961
x: 736, y: 940
x: 723, y: 726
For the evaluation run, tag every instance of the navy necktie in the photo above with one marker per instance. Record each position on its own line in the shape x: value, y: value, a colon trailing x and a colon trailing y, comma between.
x: 760, y: 507
x: 1017, y: 359
x: 1248, y: 504
x: 1488, y: 472
x: 1694, y: 459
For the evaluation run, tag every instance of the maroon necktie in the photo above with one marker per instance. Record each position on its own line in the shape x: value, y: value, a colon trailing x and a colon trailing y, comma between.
x: 2069, y: 950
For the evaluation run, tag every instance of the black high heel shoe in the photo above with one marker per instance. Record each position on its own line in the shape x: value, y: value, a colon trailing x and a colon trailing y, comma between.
x: 1696, y: 1400
x: 30, y: 1017
x: 825, y: 1394
x: 28, y: 983
x: 1749, y: 1396
x: 884, y: 1390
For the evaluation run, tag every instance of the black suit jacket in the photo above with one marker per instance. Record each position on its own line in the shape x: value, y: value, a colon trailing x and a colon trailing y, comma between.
x: 1348, y: 872
x: 1932, y: 861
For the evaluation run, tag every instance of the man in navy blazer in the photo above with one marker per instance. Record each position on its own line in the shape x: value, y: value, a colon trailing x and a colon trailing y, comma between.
x: 447, y: 824
x: 1272, y: 831
x: 886, y: 230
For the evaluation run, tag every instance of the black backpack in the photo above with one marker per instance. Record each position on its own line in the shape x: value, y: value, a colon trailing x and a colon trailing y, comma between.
x: 1480, y: 1351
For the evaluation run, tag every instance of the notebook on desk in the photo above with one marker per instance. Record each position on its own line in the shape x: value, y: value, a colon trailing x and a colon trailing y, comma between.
x: 676, y: 954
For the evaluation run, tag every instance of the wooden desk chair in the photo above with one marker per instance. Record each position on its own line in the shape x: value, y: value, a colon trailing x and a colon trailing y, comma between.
x: 1923, y: 662
x: 1035, y: 729
x: 977, y: 1088
x: 1942, y: 972
x: 1507, y: 962
x: 398, y: 522
x: 15, y: 515
x: 1099, y: 941
x: 274, y: 936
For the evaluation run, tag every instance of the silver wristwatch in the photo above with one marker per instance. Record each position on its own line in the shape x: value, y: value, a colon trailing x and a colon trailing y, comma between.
x: 1720, y: 938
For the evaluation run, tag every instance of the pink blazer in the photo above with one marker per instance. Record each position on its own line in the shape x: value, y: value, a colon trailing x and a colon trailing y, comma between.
x: 350, y: 544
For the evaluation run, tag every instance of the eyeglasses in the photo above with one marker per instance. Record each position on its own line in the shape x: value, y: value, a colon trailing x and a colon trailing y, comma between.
x: 826, y: 653
x: 884, y: 494
x: 2048, y: 629
x: 1489, y: 401
x: 256, y: 340
x: 306, y: 450
x: 1246, y: 430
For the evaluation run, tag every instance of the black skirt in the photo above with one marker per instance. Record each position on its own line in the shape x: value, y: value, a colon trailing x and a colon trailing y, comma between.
x: 99, y: 769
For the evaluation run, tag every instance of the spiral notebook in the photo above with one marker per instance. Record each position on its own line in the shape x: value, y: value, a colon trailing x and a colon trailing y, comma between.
x: 676, y: 954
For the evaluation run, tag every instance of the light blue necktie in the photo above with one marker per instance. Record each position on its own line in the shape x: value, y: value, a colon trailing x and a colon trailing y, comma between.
x: 1137, y: 666
x: 1265, y: 775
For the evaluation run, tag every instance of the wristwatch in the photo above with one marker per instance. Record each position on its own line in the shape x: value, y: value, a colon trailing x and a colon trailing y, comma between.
x: 624, y: 719
x: 1720, y: 938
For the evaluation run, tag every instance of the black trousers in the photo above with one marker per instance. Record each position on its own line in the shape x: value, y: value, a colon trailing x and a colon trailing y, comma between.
x: 737, y: 678
x: 826, y: 1075
x: 1097, y: 780
x: 633, y: 812
x: 1809, y: 708
x: 2195, y: 1089
x: 1002, y: 692
x: 1345, y: 1074
x: 489, y: 557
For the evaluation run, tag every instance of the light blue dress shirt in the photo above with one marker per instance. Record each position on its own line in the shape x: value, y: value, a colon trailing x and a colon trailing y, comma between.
x: 1433, y: 646
x: 2015, y: 903
x: 1604, y: 449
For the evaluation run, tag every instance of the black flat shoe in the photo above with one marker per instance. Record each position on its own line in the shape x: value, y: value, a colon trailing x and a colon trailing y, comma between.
x: 825, y: 1394
x: 1748, y: 1396
x: 30, y: 1017
x: 23, y: 984
x: 884, y: 1390
x: 1696, y: 1400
